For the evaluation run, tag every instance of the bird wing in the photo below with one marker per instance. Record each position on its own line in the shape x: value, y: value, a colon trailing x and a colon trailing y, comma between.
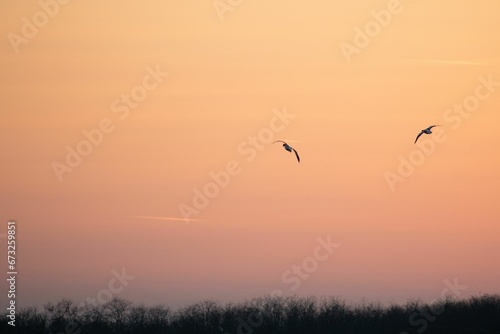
x: 296, y: 154
x: 418, y: 136
x: 430, y: 127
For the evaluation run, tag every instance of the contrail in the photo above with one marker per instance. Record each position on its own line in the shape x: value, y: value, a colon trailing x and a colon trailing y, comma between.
x: 453, y: 62
x: 167, y: 218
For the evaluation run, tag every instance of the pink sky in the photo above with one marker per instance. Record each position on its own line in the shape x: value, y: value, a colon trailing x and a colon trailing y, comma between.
x: 172, y: 92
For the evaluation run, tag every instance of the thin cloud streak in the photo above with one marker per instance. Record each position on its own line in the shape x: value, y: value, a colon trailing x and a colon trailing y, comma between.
x: 452, y: 62
x: 166, y: 218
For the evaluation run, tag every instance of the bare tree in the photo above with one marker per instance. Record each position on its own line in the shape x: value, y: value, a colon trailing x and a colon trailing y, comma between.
x: 61, y: 316
x: 116, y: 312
x: 30, y: 320
x: 279, y: 315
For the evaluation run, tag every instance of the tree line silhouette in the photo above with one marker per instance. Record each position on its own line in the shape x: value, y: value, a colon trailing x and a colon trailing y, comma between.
x: 290, y: 315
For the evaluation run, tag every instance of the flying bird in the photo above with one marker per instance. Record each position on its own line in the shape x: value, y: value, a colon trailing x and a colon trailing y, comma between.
x: 427, y: 131
x: 288, y: 148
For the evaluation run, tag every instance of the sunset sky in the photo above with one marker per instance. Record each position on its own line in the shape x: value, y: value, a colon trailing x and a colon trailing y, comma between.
x: 119, y: 119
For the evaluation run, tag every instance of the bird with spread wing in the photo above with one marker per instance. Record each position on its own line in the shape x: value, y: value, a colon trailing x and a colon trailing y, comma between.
x: 288, y: 148
x: 427, y: 131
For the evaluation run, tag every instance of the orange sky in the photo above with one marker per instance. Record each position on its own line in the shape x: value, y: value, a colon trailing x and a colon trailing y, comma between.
x: 180, y: 89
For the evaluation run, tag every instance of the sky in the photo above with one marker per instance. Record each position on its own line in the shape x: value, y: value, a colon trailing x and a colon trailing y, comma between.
x: 138, y: 158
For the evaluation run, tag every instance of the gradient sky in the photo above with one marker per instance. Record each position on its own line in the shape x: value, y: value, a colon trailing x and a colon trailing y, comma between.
x: 228, y: 74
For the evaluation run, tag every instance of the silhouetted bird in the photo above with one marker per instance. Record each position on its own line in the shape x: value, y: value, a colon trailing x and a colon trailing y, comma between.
x: 427, y: 131
x: 289, y: 148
